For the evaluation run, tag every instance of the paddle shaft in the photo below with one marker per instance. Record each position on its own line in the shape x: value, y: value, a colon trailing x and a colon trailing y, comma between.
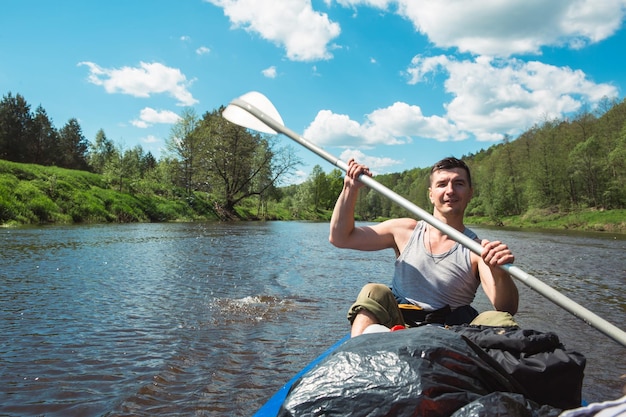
x: 550, y: 293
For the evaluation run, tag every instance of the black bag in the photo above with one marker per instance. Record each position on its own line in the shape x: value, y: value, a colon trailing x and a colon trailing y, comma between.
x: 423, y: 371
x: 548, y: 373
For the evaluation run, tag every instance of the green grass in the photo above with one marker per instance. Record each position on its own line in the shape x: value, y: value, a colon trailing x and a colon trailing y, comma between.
x: 33, y: 194
x: 613, y: 221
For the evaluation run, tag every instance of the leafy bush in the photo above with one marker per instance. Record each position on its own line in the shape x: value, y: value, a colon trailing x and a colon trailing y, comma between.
x: 9, y: 211
x: 167, y: 210
x: 43, y: 208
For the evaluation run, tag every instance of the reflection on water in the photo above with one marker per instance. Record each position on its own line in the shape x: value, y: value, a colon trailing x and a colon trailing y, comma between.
x: 208, y: 319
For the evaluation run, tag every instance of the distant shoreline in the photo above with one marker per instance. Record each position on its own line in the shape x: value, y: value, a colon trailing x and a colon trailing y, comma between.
x: 38, y: 195
x: 606, y: 221
x: 602, y: 222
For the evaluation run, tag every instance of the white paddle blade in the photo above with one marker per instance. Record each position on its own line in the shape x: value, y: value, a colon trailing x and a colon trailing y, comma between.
x: 241, y: 117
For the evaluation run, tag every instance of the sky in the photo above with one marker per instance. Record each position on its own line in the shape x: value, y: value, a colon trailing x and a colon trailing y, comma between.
x: 396, y: 84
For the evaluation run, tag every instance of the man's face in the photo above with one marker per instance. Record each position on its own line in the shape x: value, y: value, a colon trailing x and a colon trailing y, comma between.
x: 450, y: 191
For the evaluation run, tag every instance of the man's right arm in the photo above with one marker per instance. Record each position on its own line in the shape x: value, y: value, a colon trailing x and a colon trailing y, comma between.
x: 342, y: 229
x: 343, y: 233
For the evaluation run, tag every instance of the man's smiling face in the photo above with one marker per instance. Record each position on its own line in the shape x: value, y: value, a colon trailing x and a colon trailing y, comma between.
x: 450, y: 191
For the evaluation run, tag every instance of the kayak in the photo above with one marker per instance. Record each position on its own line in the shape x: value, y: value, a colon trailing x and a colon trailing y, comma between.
x: 438, y: 371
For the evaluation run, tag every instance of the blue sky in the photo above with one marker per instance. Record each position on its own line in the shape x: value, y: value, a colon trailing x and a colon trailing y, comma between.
x: 397, y: 84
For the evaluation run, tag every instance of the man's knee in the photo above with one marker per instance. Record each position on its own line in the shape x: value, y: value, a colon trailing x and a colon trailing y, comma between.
x: 379, y: 302
x: 378, y: 292
x: 494, y: 319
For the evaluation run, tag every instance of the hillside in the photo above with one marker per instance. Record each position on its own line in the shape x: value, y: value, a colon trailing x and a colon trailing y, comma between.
x: 35, y: 194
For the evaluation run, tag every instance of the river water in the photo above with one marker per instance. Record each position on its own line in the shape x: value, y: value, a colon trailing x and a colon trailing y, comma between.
x: 210, y: 318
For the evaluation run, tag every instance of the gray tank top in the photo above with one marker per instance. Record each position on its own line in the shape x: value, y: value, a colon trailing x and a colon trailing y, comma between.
x: 434, y: 281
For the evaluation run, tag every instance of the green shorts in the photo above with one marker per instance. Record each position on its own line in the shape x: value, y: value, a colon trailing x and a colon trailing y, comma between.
x: 379, y: 301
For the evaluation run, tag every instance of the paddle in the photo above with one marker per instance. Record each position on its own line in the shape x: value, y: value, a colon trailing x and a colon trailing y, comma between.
x: 254, y: 111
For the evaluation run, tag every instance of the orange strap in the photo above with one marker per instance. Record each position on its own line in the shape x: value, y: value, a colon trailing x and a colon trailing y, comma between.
x: 409, y: 307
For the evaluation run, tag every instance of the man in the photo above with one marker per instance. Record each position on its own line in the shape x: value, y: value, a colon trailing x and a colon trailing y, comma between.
x: 435, y: 278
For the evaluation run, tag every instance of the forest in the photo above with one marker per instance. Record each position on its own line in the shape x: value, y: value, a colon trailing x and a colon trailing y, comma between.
x: 214, y: 169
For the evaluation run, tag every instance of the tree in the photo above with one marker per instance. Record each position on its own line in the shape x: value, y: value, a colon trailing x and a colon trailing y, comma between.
x: 316, y: 193
x: 73, y: 146
x: 15, y: 127
x: 615, y: 195
x: 44, y: 143
x: 374, y: 205
x: 148, y: 163
x: 237, y: 163
x: 123, y: 169
x: 102, y: 150
x: 319, y: 188
x: 589, y: 169
x: 335, y: 185
x: 183, y: 145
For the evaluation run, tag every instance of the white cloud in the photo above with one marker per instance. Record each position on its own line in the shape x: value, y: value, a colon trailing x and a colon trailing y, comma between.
x: 297, y: 177
x: 481, y: 27
x: 377, y: 165
x: 491, y: 98
x: 270, y: 72
x: 494, y: 97
x: 139, y: 123
x: 293, y: 24
x: 336, y: 129
x: 149, y: 116
x: 394, y: 125
x: 142, y: 81
x: 506, y: 27
x: 151, y: 139
x: 503, y: 28
x: 402, y: 120
x: 203, y: 50
x: 380, y: 4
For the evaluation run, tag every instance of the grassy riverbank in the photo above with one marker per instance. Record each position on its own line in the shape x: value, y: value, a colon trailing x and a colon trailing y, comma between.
x: 34, y: 194
x: 612, y: 221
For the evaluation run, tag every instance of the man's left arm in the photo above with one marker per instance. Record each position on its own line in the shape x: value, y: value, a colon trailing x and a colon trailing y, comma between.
x: 497, y: 283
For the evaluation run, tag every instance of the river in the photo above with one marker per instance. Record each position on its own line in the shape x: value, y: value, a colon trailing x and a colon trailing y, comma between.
x: 210, y: 319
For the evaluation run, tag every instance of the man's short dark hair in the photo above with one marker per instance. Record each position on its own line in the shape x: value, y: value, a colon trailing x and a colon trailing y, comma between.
x: 450, y: 163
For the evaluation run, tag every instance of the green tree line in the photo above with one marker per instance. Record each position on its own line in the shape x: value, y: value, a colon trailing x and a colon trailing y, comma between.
x: 220, y: 170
